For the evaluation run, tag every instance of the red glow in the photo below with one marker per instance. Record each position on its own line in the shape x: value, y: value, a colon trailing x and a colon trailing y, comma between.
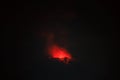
x: 60, y: 54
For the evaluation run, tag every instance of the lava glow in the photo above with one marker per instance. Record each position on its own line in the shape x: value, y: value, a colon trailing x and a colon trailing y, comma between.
x: 59, y: 53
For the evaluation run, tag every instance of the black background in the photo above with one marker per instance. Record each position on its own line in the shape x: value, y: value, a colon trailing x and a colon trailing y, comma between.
x: 91, y: 31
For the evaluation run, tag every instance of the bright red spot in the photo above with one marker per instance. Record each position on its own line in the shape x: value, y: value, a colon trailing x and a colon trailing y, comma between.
x: 60, y: 54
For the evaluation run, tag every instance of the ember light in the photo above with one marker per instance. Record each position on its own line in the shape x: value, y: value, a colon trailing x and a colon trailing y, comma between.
x: 59, y: 53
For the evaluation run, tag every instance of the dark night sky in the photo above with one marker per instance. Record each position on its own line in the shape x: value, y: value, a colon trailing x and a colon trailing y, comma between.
x: 89, y: 28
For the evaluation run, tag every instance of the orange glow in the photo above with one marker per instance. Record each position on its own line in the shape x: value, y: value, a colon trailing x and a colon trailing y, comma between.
x: 59, y: 53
